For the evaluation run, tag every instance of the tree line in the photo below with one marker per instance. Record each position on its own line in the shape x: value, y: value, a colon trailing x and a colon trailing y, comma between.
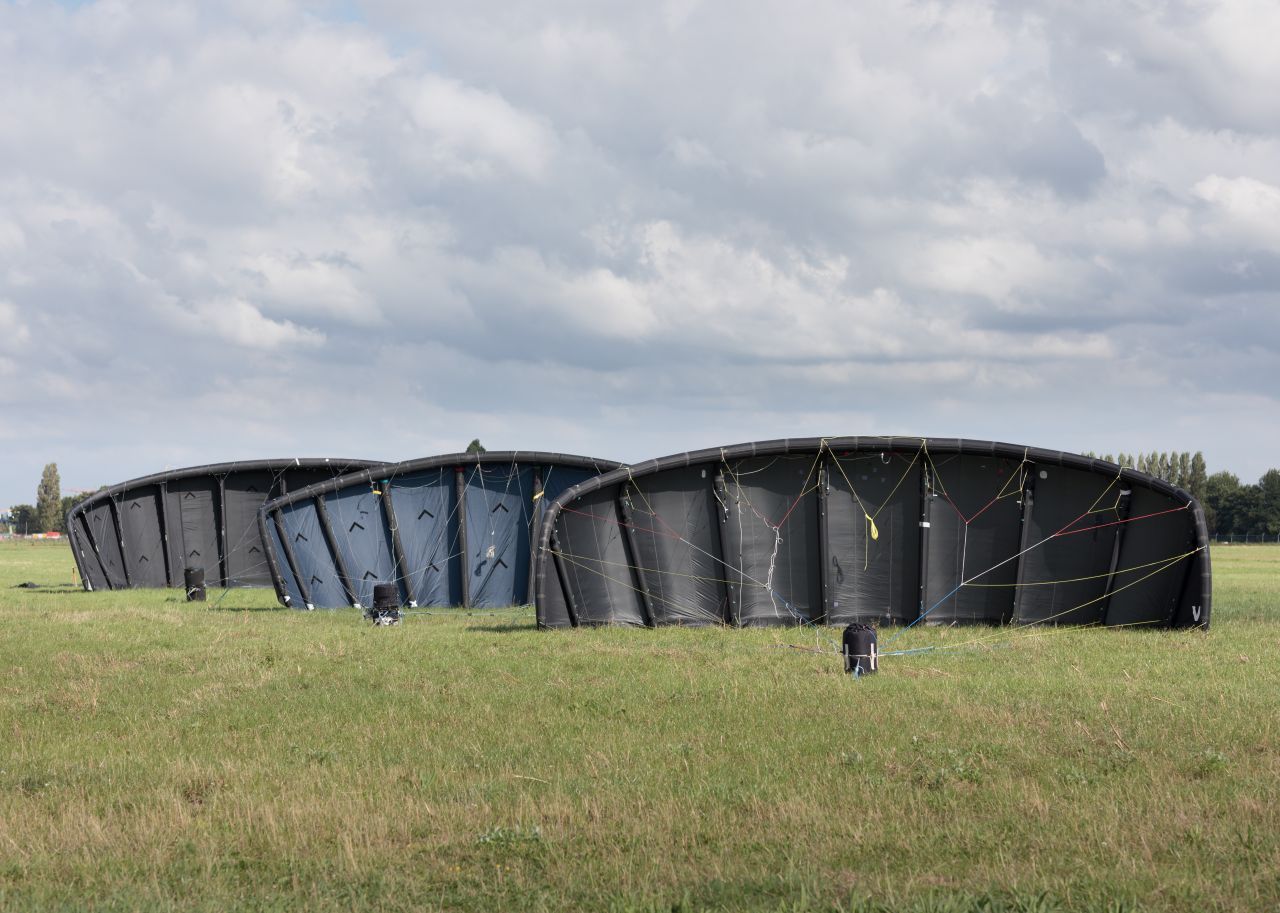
x: 1231, y: 508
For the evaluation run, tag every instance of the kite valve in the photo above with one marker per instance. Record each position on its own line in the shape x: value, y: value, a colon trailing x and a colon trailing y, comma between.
x: 859, y: 649
x: 193, y: 579
x: 386, y: 604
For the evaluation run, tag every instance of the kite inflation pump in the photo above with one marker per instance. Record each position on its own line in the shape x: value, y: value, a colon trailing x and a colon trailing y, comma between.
x: 859, y: 649
x: 386, y: 604
x: 193, y: 579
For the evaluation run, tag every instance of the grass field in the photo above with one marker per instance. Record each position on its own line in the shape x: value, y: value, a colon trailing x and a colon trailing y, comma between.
x: 156, y: 755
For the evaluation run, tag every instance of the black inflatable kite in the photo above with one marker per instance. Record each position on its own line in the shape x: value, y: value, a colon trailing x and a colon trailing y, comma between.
x: 880, y: 530
x: 143, y: 533
x: 453, y: 530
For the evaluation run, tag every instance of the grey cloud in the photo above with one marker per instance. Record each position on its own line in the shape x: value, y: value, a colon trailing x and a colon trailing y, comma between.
x: 253, y: 230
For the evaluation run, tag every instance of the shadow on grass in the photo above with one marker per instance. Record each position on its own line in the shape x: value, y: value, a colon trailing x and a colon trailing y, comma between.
x: 515, y: 627
x: 239, y: 608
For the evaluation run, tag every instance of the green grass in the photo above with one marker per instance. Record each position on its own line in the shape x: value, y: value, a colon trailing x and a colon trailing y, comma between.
x: 156, y: 755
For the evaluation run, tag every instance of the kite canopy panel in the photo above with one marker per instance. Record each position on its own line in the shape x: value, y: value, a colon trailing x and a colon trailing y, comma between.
x: 143, y: 533
x: 874, y: 530
x: 453, y: 530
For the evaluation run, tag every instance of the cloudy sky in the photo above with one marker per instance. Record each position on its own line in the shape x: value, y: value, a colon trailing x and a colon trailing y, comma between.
x: 379, y: 229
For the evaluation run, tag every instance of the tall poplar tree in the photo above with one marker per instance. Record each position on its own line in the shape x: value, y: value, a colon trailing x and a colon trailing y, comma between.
x: 49, y: 500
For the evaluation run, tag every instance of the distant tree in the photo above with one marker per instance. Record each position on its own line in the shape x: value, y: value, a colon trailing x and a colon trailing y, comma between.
x: 1197, y: 477
x: 1219, y: 502
x: 1268, y: 507
x: 1184, y: 470
x: 69, y: 502
x: 475, y: 446
x: 49, y: 500
x: 1244, y: 506
x: 23, y: 518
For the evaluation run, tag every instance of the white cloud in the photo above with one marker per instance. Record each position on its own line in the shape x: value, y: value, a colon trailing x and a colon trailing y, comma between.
x: 14, y: 334
x: 239, y: 323
x: 470, y: 133
x: 998, y: 269
x: 13, y: 240
x: 1250, y: 208
x: 311, y: 286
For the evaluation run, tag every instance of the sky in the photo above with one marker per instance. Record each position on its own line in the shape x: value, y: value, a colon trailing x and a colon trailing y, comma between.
x: 381, y: 229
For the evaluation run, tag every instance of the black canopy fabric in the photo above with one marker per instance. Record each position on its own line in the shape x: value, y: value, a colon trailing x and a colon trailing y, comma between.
x: 143, y: 533
x: 880, y: 530
x: 453, y: 530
